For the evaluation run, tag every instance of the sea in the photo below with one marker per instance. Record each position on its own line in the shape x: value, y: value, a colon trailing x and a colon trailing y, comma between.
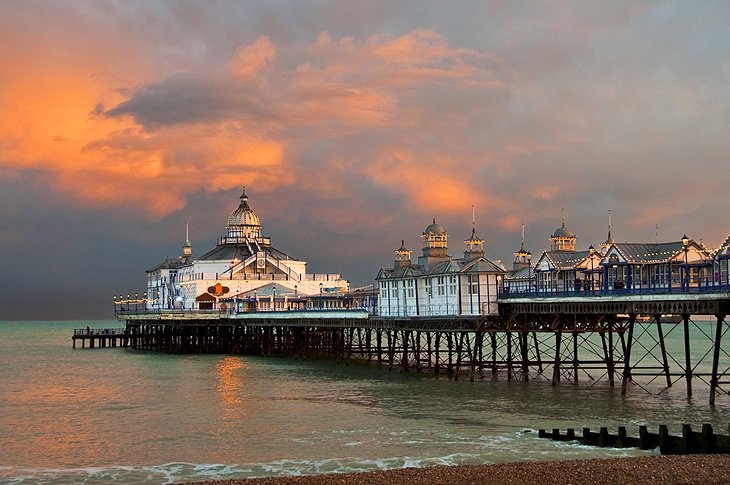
x: 121, y: 416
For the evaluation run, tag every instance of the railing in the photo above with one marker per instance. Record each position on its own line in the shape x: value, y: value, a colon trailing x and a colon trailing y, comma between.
x: 99, y: 332
x: 612, y: 292
x: 227, y: 311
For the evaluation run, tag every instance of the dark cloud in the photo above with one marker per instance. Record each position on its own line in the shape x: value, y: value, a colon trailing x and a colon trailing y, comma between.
x: 353, y: 124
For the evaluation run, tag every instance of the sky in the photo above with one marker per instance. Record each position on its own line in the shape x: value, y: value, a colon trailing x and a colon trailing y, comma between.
x: 352, y: 125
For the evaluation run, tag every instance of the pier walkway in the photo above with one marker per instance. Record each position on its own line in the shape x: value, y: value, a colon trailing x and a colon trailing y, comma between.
x: 100, y: 337
x: 643, y: 342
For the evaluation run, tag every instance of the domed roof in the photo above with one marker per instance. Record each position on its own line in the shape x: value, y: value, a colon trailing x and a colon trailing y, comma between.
x: 563, y: 231
x: 434, y: 228
x: 243, y: 215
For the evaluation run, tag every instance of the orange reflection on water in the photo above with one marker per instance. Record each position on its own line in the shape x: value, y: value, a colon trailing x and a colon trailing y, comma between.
x: 230, y: 383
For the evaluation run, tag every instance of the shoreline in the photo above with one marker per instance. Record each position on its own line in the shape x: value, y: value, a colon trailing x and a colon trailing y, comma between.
x: 667, y: 469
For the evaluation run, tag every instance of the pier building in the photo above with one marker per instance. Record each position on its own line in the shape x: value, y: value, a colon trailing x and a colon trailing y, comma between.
x: 243, y: 272
x: 600, y: 314
x: 440, y: 285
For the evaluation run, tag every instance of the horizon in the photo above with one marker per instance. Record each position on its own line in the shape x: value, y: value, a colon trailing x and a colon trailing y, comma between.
x: 351, y: 126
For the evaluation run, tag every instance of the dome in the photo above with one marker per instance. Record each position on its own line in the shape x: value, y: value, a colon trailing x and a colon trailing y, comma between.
x: 563, y: 231
x: 243, y: 222
x: 434, y: 228
x: 243, y: 215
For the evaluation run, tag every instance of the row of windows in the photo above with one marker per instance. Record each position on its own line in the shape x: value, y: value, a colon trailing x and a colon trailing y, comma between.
x: 438, y: 286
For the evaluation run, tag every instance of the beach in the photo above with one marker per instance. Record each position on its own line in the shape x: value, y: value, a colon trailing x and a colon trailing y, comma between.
x: 684, y: 469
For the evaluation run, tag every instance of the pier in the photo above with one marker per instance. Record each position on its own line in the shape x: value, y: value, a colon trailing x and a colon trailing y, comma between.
x: 100, y: 337
x: 616, y: 340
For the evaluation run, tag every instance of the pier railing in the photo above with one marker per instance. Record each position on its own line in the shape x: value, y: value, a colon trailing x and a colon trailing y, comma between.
x: 99, y: 332
x: 611, y: 292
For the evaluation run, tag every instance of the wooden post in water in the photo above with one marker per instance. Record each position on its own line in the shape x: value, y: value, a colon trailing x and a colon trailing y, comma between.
x: 663, y: 348
x: 687, y: 356
x: 716, y: 358
x: 556, y: 364
x: 627, y: 355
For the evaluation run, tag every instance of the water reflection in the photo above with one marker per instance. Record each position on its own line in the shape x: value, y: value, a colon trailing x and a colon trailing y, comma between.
x: 230, y: 383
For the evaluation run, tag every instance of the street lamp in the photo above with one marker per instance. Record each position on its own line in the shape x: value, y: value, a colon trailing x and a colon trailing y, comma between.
x: 685, y: 248
x: 347, y: 294
x: 591, y: 251
x: 320, y: 296
x: 529, y: 272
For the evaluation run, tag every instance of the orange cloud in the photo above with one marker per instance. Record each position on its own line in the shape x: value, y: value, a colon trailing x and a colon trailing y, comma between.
x: 250, y: 59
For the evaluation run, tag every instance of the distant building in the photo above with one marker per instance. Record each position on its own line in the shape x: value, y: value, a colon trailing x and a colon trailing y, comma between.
x: 440, y: 285
x: 242, y: 272
x: 520, y: 278
x: 625, y: 266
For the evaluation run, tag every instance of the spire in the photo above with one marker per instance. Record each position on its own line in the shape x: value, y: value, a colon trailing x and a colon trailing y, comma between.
x: 563, y: 213
x: 402, y: 256
x: 187, y: 247
x: 244, y: 198
x: 522, y: 241
x: 475, y: 244
x: 522, y: 257
x: 609, y: 239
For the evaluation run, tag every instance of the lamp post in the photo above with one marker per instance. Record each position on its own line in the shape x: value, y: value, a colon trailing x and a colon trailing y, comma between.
x: 591, y: 251
x: 685, y: 248
x: 320, y: 296
x: 347, y: 294
x: 529, y: 272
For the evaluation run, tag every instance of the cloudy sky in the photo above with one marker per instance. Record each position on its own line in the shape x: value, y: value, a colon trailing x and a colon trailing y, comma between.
x: 352, y: 124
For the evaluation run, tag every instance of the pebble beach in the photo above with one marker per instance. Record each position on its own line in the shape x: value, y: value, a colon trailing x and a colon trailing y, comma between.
x: 684, y: 469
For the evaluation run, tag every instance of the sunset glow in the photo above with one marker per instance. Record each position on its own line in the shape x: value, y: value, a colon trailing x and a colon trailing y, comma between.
x: 352, y: 133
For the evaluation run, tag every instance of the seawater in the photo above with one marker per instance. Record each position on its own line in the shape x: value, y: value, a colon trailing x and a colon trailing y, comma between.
x: 123, y: 416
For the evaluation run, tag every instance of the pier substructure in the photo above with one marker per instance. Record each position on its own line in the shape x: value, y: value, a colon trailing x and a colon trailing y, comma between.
x: 649, y: 345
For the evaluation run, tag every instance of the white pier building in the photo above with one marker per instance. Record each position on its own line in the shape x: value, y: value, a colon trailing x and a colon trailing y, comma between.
x: 242, y: 272
x: 440, y: 285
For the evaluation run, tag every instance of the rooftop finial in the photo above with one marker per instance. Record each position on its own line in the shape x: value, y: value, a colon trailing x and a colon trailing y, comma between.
x: 187, y: 234
x: 657, y: 233
x: 522, y: 242
x: 563, y: 213
x: 434, y: 220
x: 609, y: 224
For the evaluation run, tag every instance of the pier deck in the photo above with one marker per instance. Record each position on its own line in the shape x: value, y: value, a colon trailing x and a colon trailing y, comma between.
x: 616, y: 339
x: 100, y: 337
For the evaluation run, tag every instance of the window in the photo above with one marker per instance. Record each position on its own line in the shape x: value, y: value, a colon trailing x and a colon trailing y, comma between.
x: 473, y: 284
x: 452, y: 285
x: 440, y: 286
x: 411, y: 289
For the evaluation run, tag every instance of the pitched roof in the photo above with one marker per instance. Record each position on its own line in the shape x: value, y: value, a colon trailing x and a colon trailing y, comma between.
x: 648, y: 252
x: 168, y: 263
x: 481, y: 265
x: 566, y: 259
x: 241, y: 252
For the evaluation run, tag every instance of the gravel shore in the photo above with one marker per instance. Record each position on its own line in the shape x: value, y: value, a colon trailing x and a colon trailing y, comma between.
x: 686, y: 469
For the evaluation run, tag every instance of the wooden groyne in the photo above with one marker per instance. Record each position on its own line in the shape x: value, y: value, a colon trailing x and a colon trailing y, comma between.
x: 100, y: 337
x: 690, y: 442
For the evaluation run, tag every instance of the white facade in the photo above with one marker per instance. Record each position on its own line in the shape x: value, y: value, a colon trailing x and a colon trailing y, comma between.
x: 440, y: 285
x: 241, y: 262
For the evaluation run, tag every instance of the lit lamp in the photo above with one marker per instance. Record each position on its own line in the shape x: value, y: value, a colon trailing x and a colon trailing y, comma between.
x: 591, y: 251
x: 320, y: 296
x: 529, y: 272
